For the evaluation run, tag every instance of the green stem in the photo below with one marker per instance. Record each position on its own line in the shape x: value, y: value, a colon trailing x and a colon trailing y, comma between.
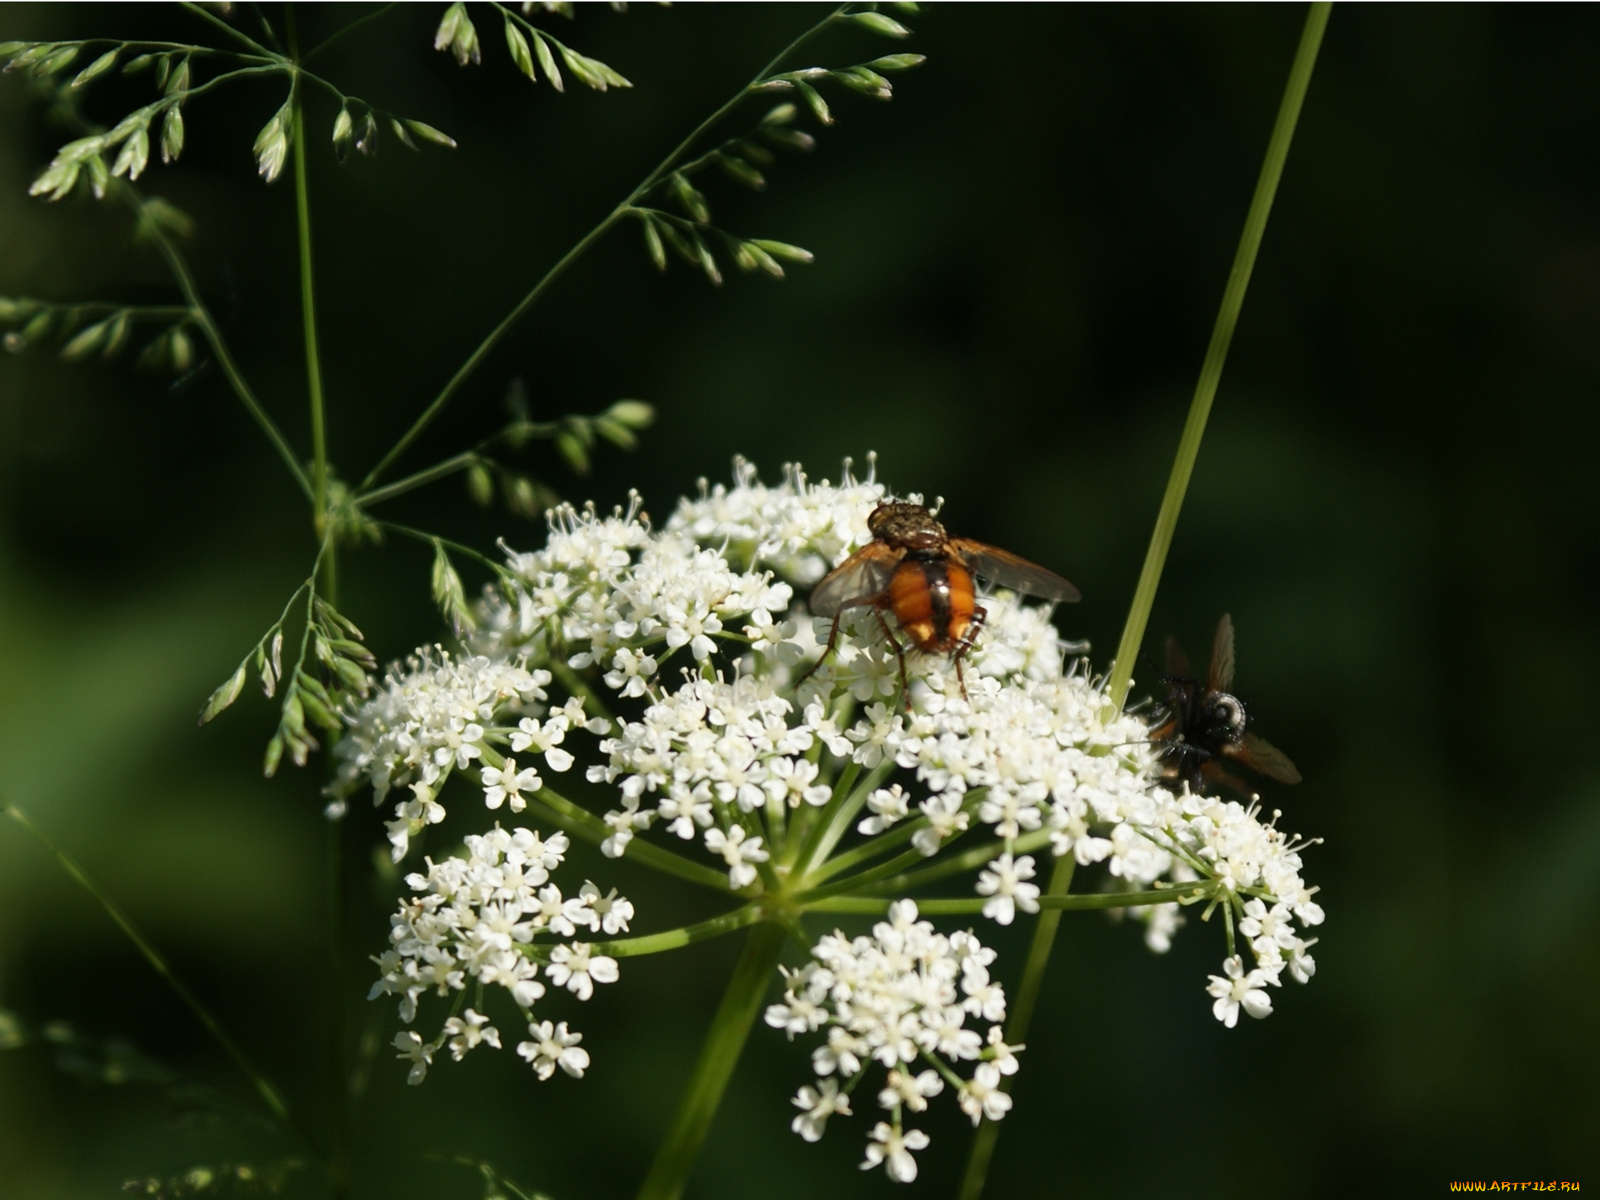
x: 202, y: 317
x: 978, y: 856
x: 1027, y: 995
x: 617, y: 214
x: 308, y: 303
x: 1194, y: 428
x: 583, y: 823
x: 729, y: 1028
x: 350, y: 28
x: 1050, y: 901
x: 264, y: 1088
x: 837, y: 815
x: 673, y: 939
x: 212, y: 19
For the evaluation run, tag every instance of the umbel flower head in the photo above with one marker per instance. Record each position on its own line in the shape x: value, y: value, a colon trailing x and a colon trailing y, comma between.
x: 651, y: 690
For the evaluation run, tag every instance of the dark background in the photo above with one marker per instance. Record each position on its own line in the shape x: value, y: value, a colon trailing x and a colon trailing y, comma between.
x: 1018, y: 264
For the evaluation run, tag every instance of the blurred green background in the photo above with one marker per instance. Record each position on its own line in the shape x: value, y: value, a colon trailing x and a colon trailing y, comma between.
x: 1018, y: 264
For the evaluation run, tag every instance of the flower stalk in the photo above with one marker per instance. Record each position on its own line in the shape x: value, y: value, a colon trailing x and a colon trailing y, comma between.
x: 1194, y: 427
x: 741, y: 1003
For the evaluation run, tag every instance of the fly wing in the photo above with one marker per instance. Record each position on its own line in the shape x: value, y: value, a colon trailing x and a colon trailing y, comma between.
x: 1177, y: 660
x: 1007, y: 570
x: 1261, y: 755
x: 1222, y: 656
x: 859, y: 579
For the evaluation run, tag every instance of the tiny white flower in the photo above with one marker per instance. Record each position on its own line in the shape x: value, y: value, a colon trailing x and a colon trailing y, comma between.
x: 468, y: 1030
x: 818, y: 1104
x: 1240, y: 990
x: 1003, y: 880
x: 419, y: 1053
x: 505, y: 785
x: 982, y: 1097
x: 552, y: 1046
x: 738, y: 850
x: 893, y: 1148
x: 912, y: 1091
x: 577, y: 968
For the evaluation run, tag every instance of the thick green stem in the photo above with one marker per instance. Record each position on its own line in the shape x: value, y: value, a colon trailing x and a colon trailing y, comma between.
x: 1244, y: 261
x: 1022, y: 1005
x: 729, y: 1028
x: 1050, y: 901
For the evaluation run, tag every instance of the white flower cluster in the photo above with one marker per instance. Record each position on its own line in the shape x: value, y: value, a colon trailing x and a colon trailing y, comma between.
x: 735, y: 747
x: 905, y: 997
x: 436, y: 715
x: 475, y: 918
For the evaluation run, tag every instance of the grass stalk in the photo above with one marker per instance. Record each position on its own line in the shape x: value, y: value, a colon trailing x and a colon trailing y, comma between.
x: 1244, y: 262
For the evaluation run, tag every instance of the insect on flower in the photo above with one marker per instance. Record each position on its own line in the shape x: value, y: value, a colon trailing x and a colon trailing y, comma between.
x: 921, y: 574
x: 1206, y: 723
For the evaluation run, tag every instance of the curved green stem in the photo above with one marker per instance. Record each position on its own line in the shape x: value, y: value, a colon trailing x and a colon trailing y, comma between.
x: 1244, y: 261
x: 269, y: 1094
x: 202, y: 317
x: 729, y: 1028
x: 213, y: 19
x: 619, y: 213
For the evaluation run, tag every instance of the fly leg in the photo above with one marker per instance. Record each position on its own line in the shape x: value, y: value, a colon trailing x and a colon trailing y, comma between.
x: 979, y: 616
x: 833, y: 637
x: 900, y: 655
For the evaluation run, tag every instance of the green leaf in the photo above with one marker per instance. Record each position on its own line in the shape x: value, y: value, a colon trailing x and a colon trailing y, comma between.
x: 272, y: 145
x: 134, y: 155
x: 652, y: 241
x: 689, y: 196
x: 480, y: 484
x: 819, y: 106
x: 616, y: 433
x: 865, y: 81
x: 344, y: 127
x: 181, y: 350
x: 547, y: 63
x: 760, y: 258
x: 274, y: 755
x: 120, y: 325
x: 172, y: 135
x: 224, y: 695
x: 573, y: 450
x: 97, y: 68
x: 85, y: 342
x: 708, y: 264
x: 742, y: 171
x: 429, y: 133
x: 878, y: 23
x: 520, y: 53
x: 635, y: 414
x: 897, y: 62
x: 179, y: 83
x: 59, y: 61
x: 785, y: 251
x: 592, y: 71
